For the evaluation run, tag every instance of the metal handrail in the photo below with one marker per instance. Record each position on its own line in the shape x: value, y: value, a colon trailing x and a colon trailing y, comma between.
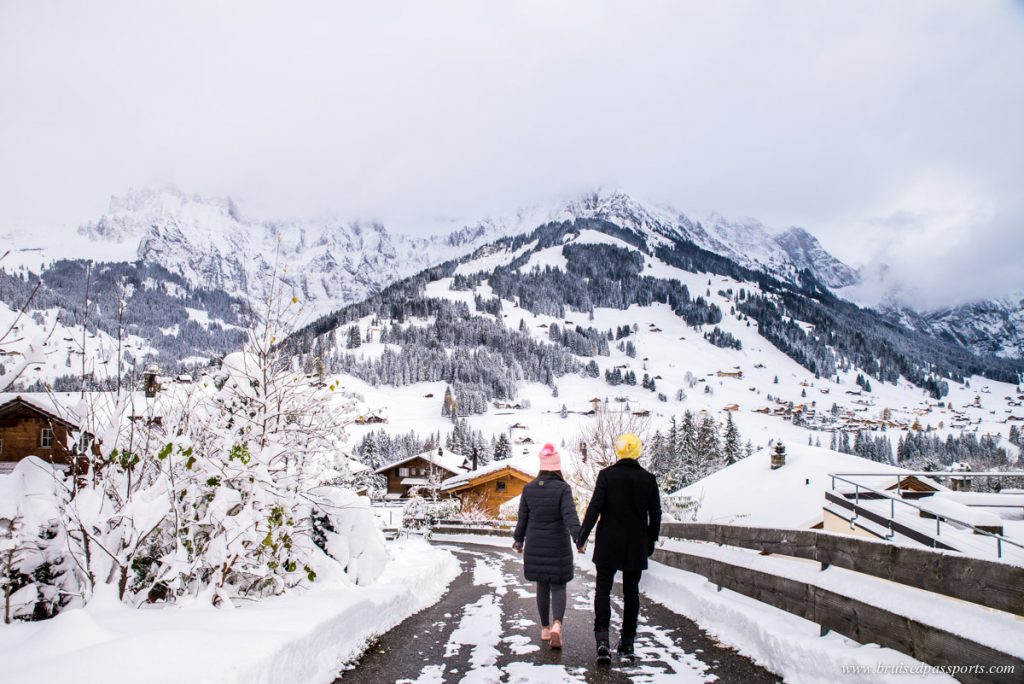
x: 972, y: 473
x: 939, y: 517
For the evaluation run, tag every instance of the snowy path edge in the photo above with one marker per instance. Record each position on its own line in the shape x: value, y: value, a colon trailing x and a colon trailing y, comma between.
x: 317, y: 656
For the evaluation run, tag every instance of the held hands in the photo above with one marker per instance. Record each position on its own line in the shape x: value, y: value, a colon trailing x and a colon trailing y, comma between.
x: 518, y: 546
x: 582, y: 548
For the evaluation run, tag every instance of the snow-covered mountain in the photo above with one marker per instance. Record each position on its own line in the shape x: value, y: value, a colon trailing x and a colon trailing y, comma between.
x: 209, y: 242
x: 537, y: 336
x: 747, y: 242
x: 222, y: 261
x: 993, y: 326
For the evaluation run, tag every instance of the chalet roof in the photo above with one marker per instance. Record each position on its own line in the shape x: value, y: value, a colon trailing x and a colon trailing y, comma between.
x: 528, y: 466
x: 749, y: 492
x: 44, y: 403
x: 448, y: 460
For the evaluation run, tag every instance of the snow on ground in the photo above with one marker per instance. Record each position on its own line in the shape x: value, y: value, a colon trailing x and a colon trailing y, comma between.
x: 783, y: 643
x: 295, y: 638
x: 750, y: 492
x: 994, y: 628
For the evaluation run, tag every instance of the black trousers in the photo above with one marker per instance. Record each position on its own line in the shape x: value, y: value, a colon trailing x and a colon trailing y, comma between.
x: 630, y: 600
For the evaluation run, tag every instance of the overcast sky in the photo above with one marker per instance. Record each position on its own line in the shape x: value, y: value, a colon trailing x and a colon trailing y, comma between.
x: 892, y: 130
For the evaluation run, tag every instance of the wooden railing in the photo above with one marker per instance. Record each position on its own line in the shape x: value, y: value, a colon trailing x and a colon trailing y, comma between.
x: 987, y: 583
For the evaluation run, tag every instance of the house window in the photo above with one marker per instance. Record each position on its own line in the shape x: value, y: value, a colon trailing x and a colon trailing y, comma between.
x: 403, y: 472
x: 46, y: 438
x: 499, y: 485
x: 1, y: 447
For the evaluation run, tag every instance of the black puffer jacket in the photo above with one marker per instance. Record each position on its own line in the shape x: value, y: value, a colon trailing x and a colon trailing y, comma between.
x: 547, y: 524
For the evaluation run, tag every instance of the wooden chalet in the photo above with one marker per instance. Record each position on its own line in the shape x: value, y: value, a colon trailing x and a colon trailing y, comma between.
x: 36, y: 426
x: 422, y: 473
x: 491, y: 486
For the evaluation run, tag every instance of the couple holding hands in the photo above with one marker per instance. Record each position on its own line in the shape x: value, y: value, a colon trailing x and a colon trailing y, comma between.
x: 625, y: 506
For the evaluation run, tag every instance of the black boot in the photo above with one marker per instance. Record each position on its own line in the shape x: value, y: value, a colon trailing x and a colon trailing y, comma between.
x: 625, y: 648
x: 604, y: 656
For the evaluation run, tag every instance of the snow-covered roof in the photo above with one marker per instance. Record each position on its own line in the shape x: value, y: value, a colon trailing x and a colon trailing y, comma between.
x: 448, y: 460
x: 749, y: 492
x: 527, y: 465
x: 45, y: 403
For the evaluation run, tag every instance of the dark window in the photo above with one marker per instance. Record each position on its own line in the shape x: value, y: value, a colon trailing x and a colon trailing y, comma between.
x: 499, y: 485
x: 46, y: 438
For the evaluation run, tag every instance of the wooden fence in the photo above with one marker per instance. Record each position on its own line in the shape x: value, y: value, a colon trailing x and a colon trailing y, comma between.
x: 987, y: 583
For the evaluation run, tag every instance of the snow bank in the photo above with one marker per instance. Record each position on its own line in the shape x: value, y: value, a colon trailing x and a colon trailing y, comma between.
x: 292, y: 638
x: 783, y: 643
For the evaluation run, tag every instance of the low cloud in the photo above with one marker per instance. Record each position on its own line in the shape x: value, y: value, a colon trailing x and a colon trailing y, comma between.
x: 837, y: 118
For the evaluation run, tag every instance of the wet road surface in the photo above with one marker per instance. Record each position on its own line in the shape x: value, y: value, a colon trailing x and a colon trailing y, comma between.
x: 485, y: 629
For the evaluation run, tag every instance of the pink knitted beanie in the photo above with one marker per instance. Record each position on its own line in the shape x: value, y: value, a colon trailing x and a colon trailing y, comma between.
x: 549, y: 459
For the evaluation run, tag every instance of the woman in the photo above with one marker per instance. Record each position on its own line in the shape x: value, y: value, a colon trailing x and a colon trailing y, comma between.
x: 547, y: 524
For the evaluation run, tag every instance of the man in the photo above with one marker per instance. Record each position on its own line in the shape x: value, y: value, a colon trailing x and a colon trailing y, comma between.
x: 626, y: 507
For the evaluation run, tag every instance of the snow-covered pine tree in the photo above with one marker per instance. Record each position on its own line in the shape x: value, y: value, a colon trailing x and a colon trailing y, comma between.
x: 354, y: 338
x: 731, y: 448
x: 502, y: 448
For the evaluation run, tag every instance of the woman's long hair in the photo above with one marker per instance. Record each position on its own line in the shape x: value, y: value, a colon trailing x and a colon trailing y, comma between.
x: 556, y: 474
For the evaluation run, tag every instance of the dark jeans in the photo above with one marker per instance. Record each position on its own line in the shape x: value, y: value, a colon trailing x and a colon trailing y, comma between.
x: 548, y: 594
x: 630, y: 599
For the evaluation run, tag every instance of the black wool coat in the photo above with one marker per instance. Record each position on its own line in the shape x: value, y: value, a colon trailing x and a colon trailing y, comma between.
x: 626, y: 507
x: 547, y: 524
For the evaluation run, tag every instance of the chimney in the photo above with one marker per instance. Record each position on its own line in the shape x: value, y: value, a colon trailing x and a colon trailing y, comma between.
x: 778, y: 455
x: 150, y: 381
x: 476, y: 458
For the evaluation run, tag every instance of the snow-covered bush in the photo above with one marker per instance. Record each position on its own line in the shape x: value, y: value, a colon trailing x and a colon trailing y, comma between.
x: 33, y: 558
x: 214, y: 492
x: 423, y: 512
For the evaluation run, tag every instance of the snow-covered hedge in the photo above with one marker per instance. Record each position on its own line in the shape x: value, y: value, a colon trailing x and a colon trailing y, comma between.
x: 224, y: 498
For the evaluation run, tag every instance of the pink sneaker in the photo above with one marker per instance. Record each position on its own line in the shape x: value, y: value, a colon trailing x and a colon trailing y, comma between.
x: 545, y: 633
x: 556, y: 634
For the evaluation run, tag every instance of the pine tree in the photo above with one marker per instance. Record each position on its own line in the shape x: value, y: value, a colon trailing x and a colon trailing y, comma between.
x: 708, y: 448
x: 449, y: 407
x: 502, y: 448
x: 563, y: 413
x: 731, y: 448
x: 355, y: 340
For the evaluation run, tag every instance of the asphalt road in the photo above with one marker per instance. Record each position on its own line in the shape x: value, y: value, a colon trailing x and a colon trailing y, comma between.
x: 485, y: 629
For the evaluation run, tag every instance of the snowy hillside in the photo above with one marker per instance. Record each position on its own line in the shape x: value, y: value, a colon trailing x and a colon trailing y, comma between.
x: 526, y: 332
x: 60, y: 350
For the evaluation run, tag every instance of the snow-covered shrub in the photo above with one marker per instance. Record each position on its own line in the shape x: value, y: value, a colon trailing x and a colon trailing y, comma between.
x: 221, y: 496
x: 33, y: 558
x: 681, y: 508
x: 423, y: 512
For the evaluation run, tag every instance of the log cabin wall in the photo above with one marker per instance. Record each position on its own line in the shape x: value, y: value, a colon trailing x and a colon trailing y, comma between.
x: 491, y: 493
x: 21, y: 435
x: 417, y: 468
